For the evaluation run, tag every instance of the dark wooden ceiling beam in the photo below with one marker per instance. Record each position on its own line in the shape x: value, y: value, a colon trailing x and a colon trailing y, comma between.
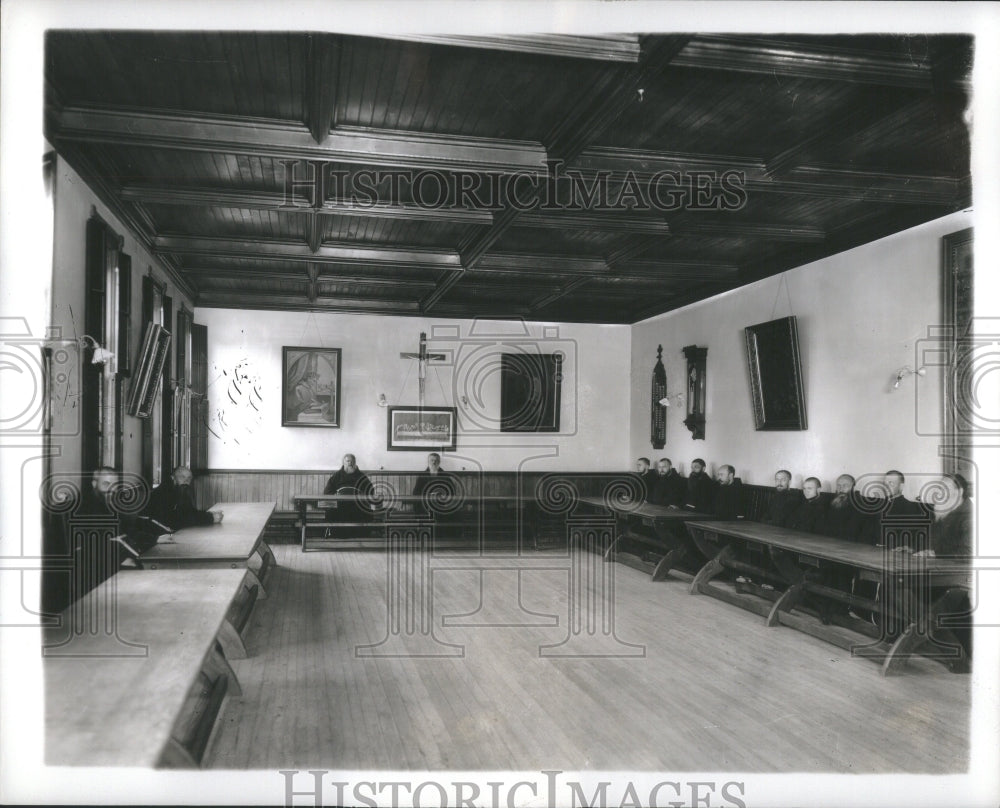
x: 607, y: 48
x: 776, y: 57
x: 201, y: 272
x: 336, y: 252
x: 551, y: 298
x: 287, y: 141
x: 277, y: 140
x: 314, y: 233
x: 559, y: 264
x: 631, y: 249
x: 283, y: 302
x: 648, y: 166
x: 766, y: 231
x: 321, y: 84
x: 267, y: 200
x: 584, y: 220
x: 313, y: 272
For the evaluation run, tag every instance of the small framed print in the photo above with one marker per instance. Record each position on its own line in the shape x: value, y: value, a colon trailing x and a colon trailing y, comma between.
x: 424, y: 429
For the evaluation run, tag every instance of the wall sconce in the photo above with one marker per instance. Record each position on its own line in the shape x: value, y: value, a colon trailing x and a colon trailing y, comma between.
x: 670, y: 401
x: 465, y: 401
x: 381, y: 400
x: 101, y: 355
x: 905, y: 371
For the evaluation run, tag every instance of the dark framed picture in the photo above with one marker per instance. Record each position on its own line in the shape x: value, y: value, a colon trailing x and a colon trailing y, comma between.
x: 530, y: 390
x: 424, y: 429
x: 310, y: 387
x: 776, y: 388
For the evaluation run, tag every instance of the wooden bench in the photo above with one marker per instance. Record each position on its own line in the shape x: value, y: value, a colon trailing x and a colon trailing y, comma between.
x: 145, y: 689
x: 795, y: 563
x: 455, y: 523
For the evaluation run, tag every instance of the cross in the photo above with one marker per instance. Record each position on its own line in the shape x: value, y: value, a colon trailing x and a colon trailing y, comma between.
x: 423, y: 356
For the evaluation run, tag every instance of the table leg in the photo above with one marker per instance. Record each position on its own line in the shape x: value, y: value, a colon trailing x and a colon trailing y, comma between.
x: 713, y: 567
x: 667, y: 563
x: 788, y: 600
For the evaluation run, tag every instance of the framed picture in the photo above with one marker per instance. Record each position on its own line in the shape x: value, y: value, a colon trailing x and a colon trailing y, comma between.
x: 310, y: 387
x: 423, y: 429
x: 776, y: 375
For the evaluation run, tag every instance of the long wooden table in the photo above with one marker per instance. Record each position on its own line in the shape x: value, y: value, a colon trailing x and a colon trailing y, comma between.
x: 142, y: 685
x: 234, y: 543
x: 795, y: 565
x: 666, y: 541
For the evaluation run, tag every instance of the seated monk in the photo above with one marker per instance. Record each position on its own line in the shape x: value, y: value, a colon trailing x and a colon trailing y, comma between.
x: 349, y: 479
x: 728, y: 500
x: 433, y: 485
x: 647, y: 475
x: 669, y: 486
x: 844, y: 519
x: 172, y: 503
x: 699, y: 491
x: 783, y: 501
x: 811, y: 512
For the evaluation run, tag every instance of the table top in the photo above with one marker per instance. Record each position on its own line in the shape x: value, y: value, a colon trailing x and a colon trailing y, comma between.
x: 119, y: 710
x: 846, y: 552
x: 647, y: 509
x: 235, y: 538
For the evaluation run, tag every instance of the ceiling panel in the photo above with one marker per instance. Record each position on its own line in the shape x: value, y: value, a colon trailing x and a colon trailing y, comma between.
x: 774, y: 151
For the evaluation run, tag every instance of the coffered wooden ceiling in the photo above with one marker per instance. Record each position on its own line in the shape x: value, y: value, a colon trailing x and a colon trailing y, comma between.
x: 765, y: 153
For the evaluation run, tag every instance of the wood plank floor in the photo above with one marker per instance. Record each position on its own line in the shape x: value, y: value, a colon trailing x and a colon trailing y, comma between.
x: 701, y: 685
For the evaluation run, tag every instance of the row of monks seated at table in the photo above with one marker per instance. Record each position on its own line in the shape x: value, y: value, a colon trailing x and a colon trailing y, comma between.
x: 845, y: 515
x: 943, y: 528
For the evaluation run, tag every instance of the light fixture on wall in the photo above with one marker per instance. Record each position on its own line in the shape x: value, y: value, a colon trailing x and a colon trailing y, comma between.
x: 905, y: 371
x: 101, y: 355
x: 670, y: 401
x: 382, y: 401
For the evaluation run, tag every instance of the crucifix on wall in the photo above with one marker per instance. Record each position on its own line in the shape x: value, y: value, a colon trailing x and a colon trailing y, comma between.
x: 423, y: 358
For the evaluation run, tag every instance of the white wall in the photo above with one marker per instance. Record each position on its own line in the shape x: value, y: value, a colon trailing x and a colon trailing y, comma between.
x: 862, y: 314
x: 594, y: 428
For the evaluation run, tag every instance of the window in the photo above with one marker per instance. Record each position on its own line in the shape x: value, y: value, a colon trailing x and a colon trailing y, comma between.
x: 108, y: 283
x: 182, y: 395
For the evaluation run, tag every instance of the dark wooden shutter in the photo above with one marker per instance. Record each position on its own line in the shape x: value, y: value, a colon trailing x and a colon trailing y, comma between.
x: 124, y: 315
x: 93, y: 324
x: 167, y: 446
x: 199, y: 397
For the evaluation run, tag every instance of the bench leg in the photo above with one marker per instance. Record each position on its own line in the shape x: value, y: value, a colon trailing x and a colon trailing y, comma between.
x: 711, y: 569
x: 175, y: 756
x: 254, y: 579
x: 231, y: 641
x: 609, y: 553
x: 217, y: 665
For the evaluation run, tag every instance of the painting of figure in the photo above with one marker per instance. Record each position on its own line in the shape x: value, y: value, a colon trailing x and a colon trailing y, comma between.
x: 310, y: 391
